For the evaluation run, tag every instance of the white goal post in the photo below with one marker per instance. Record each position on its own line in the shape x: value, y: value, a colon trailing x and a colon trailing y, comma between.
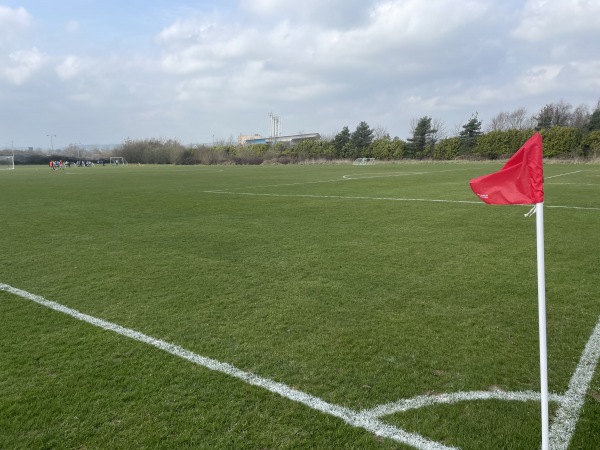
x: 363, y: 161
x: 7, y: 162
x: 118, y: 161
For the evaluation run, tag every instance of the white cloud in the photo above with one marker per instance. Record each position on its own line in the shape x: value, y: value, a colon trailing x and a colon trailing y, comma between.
x: 13, y: 22
x: 70, y: 67
x: 191, y: 46
x: 343, y: 61
x: 23, y: 64
x: 424, y: 21
x: 182, y: 31
x: 198, y: 89
x: 572, y: 76
x: 550, y: 19
x: 290, y: 56
x: 539, y: 78
x: 580, y: 76
x: 389, y: 29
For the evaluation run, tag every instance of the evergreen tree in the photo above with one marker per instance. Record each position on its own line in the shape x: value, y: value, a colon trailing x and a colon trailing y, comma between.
x: 362, y: 136
x: 471, y: 131
x: 544, y: 118
x: 341, y: 140
x: 472, y: 128
x: 423, y: 139
x: 594, y: 122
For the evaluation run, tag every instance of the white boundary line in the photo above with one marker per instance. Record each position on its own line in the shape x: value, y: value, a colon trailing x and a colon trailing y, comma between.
x: 561, y: 432
x: 393, y: 199
x: 562, y: 174
x: 400, y: 174
x: 349, y: 197
x: 585, y: 208
x: 368, y: 175
x: 236, y: 191
x: 336, y: 180
x: 566, y: 417
x: 573, y: 184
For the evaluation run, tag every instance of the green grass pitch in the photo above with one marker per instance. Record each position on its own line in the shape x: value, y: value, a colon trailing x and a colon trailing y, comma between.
x: 358, y: 285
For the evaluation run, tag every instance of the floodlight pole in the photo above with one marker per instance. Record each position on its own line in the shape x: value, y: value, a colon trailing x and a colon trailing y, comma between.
x: 51, y: 142
x: 539, y: 215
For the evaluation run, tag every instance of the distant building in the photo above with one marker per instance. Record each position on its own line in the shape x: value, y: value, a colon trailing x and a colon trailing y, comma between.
x: 244, y: 138
x: 291, y: 139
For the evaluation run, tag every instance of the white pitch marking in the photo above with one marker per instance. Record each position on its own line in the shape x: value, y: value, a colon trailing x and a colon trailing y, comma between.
x: 562, y: 174
x: 386, y: 175
x: 574, y: 207
x: 422, y: 401
x: 573, y: 184
x: 399, y: 174
x: 566, y: 417
x: 353, y: 418
x: 336, y: 180
x: 561, y: 431
x: 394, y: 199
x: 347, y: 197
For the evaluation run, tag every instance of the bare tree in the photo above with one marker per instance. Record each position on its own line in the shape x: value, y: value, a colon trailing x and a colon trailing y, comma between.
x: 440, y: 129
x: 329, y: 137
x: 380, y: 132
x: 498, y: 122
x: 73, y: 151
x: 510, y: 120
x: 562, y: 114
x: 580, y: 117
x: 518, y: 120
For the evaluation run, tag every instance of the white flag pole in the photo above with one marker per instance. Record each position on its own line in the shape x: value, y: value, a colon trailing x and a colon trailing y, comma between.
x: 539, y: 213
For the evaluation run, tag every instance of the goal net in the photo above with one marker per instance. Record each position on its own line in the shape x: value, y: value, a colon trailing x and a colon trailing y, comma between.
x: 363, y: 161
x: 7, y: 162
x: 118, y: 161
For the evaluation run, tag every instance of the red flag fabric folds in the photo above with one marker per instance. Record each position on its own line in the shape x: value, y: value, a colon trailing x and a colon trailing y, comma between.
x: 519, y: 182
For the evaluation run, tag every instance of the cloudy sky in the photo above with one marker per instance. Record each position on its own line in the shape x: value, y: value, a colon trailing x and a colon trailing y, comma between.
x: 101, y: 71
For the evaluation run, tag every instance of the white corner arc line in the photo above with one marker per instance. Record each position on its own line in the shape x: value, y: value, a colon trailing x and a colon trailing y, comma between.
x: 353, y: 418
x: 455, y: 397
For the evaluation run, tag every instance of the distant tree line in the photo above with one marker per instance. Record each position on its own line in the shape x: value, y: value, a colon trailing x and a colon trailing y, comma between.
x: 567, y: 132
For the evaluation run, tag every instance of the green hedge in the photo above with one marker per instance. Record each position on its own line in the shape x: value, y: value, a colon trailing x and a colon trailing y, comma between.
x: 562, y: 141
x: 499, y: 144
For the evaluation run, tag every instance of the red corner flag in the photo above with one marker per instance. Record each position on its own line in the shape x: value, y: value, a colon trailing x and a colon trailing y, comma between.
x: 520, y: 181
